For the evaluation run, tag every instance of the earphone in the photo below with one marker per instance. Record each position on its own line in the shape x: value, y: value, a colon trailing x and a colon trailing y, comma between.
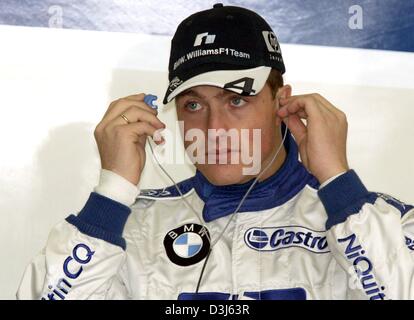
x: 149, y: 100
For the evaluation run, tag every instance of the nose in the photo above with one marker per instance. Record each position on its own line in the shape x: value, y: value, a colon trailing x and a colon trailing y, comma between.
x: 218, y: 118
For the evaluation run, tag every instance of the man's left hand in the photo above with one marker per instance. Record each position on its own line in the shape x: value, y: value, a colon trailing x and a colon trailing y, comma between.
x: 322, y: 140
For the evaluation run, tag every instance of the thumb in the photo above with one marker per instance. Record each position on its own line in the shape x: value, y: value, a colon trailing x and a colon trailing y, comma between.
x: 296, y: 127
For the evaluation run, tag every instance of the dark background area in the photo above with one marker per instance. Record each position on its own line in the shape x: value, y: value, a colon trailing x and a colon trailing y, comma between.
x: 387, y: 24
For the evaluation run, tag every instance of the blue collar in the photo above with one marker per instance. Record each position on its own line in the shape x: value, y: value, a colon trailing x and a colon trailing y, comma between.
x: 272, y: 192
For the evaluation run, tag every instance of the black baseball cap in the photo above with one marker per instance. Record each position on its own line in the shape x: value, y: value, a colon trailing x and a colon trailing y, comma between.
x: 227, y: 46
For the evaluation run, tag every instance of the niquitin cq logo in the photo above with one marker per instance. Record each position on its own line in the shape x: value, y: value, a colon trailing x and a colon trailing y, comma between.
x: 72, y: 268
x: 363, y: 268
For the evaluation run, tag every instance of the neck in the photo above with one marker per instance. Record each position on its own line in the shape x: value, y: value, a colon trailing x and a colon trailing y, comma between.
x: 274, y: 167
x: 277, y: 163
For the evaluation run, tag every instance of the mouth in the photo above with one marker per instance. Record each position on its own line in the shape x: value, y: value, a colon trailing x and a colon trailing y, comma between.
x: 218, y: 152
x: 224, y: 156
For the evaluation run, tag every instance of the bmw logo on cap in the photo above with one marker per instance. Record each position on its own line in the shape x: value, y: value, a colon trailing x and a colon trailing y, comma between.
x: 187, y: 244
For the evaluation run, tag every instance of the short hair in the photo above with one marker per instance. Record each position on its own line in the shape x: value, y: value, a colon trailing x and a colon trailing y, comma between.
x: 275, y: 81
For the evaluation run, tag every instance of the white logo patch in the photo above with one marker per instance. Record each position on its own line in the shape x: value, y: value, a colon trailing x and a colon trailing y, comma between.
x: 277, y: 238
x: 271, y: 41
x: 209, y: 38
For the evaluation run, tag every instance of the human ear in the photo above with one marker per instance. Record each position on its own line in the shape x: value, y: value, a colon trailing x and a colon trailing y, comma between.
x: 284, y: 92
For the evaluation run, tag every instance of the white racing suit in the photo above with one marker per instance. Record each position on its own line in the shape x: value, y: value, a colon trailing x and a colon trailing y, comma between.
x: 290, y: 240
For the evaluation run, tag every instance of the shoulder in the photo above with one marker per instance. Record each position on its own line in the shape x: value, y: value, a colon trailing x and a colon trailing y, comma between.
x: 150, y: 203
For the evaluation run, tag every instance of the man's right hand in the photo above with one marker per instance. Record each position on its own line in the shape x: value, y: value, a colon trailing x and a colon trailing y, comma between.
x: 122, y: 145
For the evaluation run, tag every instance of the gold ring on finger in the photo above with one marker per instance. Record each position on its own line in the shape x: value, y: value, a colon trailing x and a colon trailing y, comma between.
x: 125, y: 118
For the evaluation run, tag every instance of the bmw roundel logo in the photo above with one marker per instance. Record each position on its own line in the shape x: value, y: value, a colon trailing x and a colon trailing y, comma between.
x: 187, y: 244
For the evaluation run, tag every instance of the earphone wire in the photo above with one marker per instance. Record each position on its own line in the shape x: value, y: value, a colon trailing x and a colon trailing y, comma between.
x: 179, y: 191
x: 241, y: 202
x: 234, y: 212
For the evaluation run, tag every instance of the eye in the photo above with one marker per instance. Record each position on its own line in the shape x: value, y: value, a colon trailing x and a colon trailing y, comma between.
x: 192, y: 106
x: 238, y: 102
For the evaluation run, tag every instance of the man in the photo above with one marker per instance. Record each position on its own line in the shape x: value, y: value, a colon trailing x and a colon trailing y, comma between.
x: 303, y: 230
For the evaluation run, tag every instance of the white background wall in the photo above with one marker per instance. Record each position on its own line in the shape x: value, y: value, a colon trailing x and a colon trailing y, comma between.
x: 56, y: 84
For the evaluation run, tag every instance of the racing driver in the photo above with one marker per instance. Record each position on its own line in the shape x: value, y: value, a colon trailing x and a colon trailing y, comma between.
x: 301, y: 228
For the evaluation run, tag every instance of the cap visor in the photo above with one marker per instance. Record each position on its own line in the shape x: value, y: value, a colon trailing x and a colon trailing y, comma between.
x: 233, y: 80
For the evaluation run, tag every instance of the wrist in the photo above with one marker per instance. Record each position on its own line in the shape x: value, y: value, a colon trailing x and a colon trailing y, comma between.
x: 326, y: 182
x: 116, y: 187
x: 329, y: 175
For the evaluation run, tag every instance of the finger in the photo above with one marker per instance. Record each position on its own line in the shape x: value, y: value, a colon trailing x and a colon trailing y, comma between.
x: 110, y: 107
x: 285, y: 107
x: 325, y: 104
x: 142, y: 140
x: 119, y: 106
x: 138, y: 130
x: 302, y: 114
x: 135, y: 114
x: 285, y: 100
x: 144, y: 130
x: 296, y: 127
x: 140, y: 99
x: 329, y: 106
x: 136, y: 97
x: 305, y: 106
x: 141, y: 104
x: 291, y: 105
x: 157, y: 137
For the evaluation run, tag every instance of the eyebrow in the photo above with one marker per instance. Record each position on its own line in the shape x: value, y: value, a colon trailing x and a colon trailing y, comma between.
x: 191, y: 92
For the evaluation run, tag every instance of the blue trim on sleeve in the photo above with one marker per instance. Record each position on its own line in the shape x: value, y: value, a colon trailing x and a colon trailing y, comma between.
x: 401, y: 206
x: 102, y: 218
x: 343, y: 197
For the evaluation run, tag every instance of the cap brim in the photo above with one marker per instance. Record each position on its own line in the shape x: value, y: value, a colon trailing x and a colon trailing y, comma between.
x: 234, y: 80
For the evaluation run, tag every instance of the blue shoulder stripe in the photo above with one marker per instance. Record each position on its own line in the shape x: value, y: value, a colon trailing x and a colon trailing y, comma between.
x: 401, y: 206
